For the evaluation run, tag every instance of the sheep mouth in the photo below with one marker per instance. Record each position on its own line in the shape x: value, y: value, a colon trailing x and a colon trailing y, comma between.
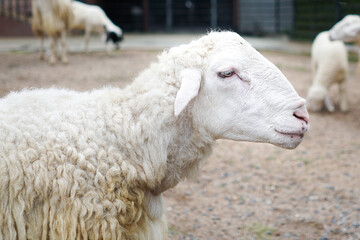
x: 295, y: 135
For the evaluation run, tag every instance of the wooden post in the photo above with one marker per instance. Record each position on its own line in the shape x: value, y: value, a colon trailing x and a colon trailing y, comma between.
x: 146, y: 15
x: 213, y: 13
x: 337, y: 11
x: 277, y: 16
x: 169, y: 15
x: 235, y: 19
x: 17, y: 10
x: 2, y: 3
x: 10, y: 8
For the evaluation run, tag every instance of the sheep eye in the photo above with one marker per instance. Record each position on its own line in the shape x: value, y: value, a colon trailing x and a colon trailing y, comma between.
x: 226, y: 74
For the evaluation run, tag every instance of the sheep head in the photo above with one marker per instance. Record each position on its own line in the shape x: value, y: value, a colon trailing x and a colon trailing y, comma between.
x: 114, y: 34
x: 238, y: 94
x: 347, y: 30
x: 318, y: 96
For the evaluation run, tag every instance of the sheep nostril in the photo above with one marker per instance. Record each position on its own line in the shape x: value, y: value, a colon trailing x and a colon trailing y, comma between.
x: 302, y: 115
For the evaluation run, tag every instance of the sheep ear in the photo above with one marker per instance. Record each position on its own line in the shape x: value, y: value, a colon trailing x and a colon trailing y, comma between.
x: 190, y: 85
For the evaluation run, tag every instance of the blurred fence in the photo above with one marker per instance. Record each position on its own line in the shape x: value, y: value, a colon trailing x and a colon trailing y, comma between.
x: 314, y: 16
x: 262, y: 17
x: 171, y: 15
x: 16, y: 9
x: 300, y: 19
x: 297, y: 18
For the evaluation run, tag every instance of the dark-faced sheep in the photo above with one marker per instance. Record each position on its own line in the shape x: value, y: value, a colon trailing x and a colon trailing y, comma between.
x: 92, y: 18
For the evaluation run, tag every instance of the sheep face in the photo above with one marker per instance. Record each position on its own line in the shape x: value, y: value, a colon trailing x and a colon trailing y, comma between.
x: 115, y: 35
x: 115, y: 38
x: 347, y: 30
x: 244, y: 97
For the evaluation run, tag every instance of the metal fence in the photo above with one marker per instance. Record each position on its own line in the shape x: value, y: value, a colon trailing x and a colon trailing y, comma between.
x: 314, y: 16
x: 301, y: 19
x: 16, y: 9
x: 259, y: 17
x: 262, y: 17
x: 170, y: 15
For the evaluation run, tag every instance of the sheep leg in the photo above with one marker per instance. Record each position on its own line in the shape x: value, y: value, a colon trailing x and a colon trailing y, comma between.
x: 328, y: 103
x: 86, y: 39
x: 313, y: 68
x: 108, y: 47
x: 358, y: 65
x: 342, y: 93
x: 64, y: 47
x: 53, y: 44
x: 42, y: 50
x: 105, y: 38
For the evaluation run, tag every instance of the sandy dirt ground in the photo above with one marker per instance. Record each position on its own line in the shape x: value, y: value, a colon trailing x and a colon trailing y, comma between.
x: 245, y: 190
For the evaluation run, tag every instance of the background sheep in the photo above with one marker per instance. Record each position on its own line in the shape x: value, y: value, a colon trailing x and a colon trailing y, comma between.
x: 52, y: 18
x: 93, y: 18
x: 329, y: 66
x: 94, y: 164
x: 348, y: 30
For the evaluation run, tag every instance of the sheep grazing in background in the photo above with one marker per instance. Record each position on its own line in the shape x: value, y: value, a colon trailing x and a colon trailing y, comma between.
x: 52, y: 18
x: 329, y: 66
x: 79, y: 165
x: 348, y: 30
x: 93, y: 18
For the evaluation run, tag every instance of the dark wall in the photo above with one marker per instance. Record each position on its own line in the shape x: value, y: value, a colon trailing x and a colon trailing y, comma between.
x: 15, y: 18
x: 9, y: 27
x: 314, y: 16
x: 152, y: 15
x: 127, y: 14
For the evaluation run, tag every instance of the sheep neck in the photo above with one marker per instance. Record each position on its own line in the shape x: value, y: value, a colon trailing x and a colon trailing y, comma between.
x: 189, y: 146
x: 173, y: 148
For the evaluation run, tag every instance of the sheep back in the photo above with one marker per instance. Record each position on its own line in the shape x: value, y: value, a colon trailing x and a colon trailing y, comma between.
x: 51, y: 16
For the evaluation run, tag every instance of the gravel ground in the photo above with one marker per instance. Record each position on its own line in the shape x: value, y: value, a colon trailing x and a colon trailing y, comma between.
x: 245, y: 190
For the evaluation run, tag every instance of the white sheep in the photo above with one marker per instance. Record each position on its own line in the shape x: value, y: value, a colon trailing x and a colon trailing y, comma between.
x: 348, y: 30
x: 93, y: 18
x: 52, y: 18
x: 79, y: 165
x: 329, y: 66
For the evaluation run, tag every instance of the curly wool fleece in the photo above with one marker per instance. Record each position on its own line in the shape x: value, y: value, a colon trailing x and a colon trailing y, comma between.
x: 85, y: 165
x: 94, y: 165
